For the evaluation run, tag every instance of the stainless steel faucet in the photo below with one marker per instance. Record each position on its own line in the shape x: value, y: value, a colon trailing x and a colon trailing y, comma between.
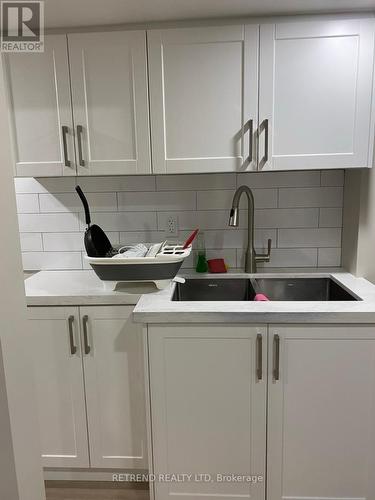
x: 251, y: 257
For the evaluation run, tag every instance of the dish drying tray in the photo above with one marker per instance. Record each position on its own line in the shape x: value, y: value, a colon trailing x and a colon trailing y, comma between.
x: 160, y: 265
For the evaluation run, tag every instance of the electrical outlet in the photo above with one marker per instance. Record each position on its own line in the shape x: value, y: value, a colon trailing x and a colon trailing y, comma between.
x: 171, y: 226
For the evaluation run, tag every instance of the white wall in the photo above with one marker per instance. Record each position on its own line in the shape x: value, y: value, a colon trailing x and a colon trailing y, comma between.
x: 300, y: 211
x: 359, y: 224
x: 351, y: 213
x: 20, y: 467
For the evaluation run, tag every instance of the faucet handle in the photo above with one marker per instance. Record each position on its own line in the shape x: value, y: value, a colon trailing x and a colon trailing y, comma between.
x: 265, y: 257
x: 269, y: 245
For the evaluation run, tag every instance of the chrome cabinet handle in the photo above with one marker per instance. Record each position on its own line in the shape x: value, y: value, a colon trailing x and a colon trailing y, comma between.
x: 65, y: 131
x: 259, y: 356
x: 79, y: 141
x: 73, y: 347
x: 251, y: 132
x: 264, y: 127
x: 276, y: 357
x: 266, y: 141
x: 87, y: 347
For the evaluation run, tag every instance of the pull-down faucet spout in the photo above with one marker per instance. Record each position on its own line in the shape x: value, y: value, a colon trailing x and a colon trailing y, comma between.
x: 251, y: 257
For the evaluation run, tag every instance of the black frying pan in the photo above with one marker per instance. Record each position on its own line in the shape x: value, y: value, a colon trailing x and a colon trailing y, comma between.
x: 97, y: 243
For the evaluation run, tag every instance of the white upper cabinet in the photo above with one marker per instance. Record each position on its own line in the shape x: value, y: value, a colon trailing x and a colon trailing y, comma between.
x: 110, y: 102
x: 315, y: 94
x: 321, y: 433
x: 40, y: 110
x: 290, y: 95
x: 203, y: 97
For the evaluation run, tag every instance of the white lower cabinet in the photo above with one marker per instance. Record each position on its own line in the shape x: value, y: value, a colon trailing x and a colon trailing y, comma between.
x: 321, y: 427
x: 89, y: 357
x: 114, y: 387
x: 58, y: 376
x: 208, y: 410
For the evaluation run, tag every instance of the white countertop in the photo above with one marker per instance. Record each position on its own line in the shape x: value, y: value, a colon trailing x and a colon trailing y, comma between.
x: 158, y: 307
x: 66, y: 288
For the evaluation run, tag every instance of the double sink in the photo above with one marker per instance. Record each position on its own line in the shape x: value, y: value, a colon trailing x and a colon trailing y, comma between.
x: 245, y: 289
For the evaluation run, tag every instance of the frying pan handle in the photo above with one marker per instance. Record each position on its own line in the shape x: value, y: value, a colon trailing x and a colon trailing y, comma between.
x: 85, y: 205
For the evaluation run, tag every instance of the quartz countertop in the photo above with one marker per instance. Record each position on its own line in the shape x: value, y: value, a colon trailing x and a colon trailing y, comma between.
x: 81, y: 288
x: 159, y: 308
x: 65, y: 288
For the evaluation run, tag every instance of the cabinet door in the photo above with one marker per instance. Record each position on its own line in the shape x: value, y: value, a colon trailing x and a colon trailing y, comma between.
x: 114, y: 387
x: 203, y: 91
x: 40, y: 110
x: 321, y: 441
x: 208, y: 409
x: 316, y: 93
x: 59, y: 387
x: 110, y: 102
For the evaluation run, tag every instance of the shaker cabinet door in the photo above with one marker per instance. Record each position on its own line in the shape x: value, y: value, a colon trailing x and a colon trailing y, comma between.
x: 59, y: 391
x: 40, y: 110
x: 110, y: 102
x: 315, y: 94
x: 114, y: 379
x: 208, y: 409
x: 321, y: 410
x: 204, y: 100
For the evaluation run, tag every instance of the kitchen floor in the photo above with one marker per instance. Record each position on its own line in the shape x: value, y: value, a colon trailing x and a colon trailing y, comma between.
x: 83, y: 490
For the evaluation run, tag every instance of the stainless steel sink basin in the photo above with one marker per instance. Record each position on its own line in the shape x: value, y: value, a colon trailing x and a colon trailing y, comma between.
x: 277, y: 289
x: 307, y: 289
x: 214, y: 289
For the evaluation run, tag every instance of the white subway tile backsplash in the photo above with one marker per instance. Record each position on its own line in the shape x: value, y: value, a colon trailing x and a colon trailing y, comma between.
x: 329, y: 257
x: 63, y: 242
x: 219, y: 200
x: 237, y: 238
x: 85, y: 264
x: 287, y: 217
x: 118, y: 183
x: 330, y: 217
x: 295, y: 257
x: 122, y: 221
x: 51, y: 260
x: 134, y: 237
x: 279, y: 179
x: 48, y: 223
x: 70, y: 202
x: 31, y: 242
x: 332, y: 177
x: 311, y: 197
x: 300, y: 211
x: 286, y: 257
x: 321, y: 237
x: 44, y: 185
x: 145, y: 202
x: 27, y: 203
x: 209, y: 219
x: 195, y: 182
x: 70, y: 242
